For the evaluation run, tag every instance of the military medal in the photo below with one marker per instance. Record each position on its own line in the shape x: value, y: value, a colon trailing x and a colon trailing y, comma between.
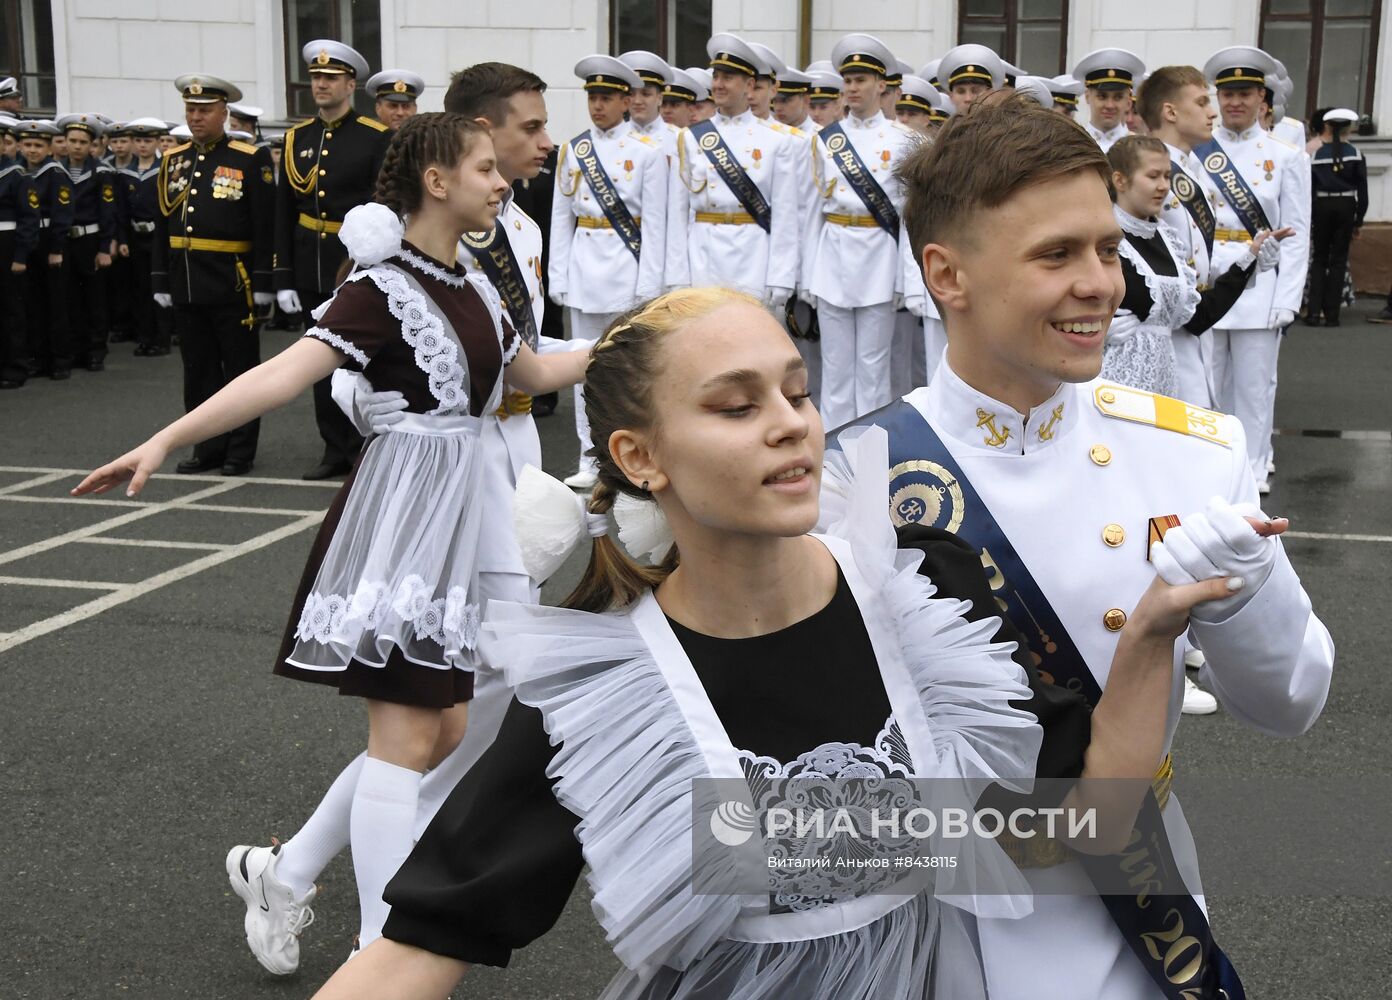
x: 1157, y: 528
x: 1268, y: 166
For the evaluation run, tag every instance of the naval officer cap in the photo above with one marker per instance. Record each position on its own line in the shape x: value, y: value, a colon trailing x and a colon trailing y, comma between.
x: 862, y: 53
x: 971, y: 63
x: 1345, y: 115
x: 651, y: 68
x: 685, y: 87
x: 770, y: 64
x: 1067, y: 89
x: 146, y: 127
x: 607, y: 74
x: 1012, y: 73
x: 324, y: 55
x: 897, y: 71
x: 198, y: 88
x: 37, y: 129
x: 702, y: 75
x: 1037, y: 89
x: 794, y: 83
x: 1110, y: 69
x: 399, y: 85
x: 916, y: 94
x: 820, y: 66
x: 248, y: 112
x: 826, y: 85
x: 9, y: 87
x: 732, y: 54
x: 81, y: 122
x: 929, y: 72
x: 1239, y: 66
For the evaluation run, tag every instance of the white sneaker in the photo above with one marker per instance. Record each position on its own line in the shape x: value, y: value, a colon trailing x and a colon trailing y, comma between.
x: 1194, y: 658
x: 583, y: 479
x: 1197, y: 701
x: 274, y: 917
x: 1264, y: 487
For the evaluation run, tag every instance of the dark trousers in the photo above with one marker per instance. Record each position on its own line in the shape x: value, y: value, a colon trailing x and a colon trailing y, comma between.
x: 120, y: 297
x: 150, y: 324
x: 1331, y: 231
x: 342, y: 442
x: 216, y: 346
x: 46, y: 310
x: 14, y: 334
x: 87, y: 291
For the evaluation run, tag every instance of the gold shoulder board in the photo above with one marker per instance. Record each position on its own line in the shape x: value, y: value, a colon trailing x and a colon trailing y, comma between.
x: 372, y: 123
x: 1139, y: 406
x: 242, y: 147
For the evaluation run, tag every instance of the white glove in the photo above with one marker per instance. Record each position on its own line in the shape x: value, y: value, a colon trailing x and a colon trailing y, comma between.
x: 777, y: 298
x: 380, y: 410
x: 164, y: 300
x: 806, y: 296
x: 1280, y: 319
x: 262, y: 298
x: 556, y: 297
x: 289, y: 301
x: 914, y: 304
x: 1268, y: 256
x: 1213, y: 543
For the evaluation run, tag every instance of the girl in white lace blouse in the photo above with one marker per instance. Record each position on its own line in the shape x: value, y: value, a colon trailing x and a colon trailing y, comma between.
x: 388, y: 608
x: 1162, y: 288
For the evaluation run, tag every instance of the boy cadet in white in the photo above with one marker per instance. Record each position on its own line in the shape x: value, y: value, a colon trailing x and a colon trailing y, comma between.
x: 645, y: 103
x: 918, y: 105
x: 1264, y: 183
x: 608, y: 220
x: 679, y: 100
x: 824, y: 97
x: 732, y: 218
x: 854, y: 265
x: 968, y: 71
x: 1067, y: 92
x: 1109, y: 75
x: 929, y: 71
x: 703, y: 109
x: 790, y: 101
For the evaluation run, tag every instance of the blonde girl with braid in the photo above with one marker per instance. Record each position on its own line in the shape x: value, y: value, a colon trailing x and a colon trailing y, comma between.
x: 388, y: 609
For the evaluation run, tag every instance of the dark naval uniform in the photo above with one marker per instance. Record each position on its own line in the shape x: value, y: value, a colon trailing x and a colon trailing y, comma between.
x: 19, y: 235
x: 93, y: 231
x: 327, y: 169
x: 46, y: 304
x: 139, y: 200
x: 212, y: 250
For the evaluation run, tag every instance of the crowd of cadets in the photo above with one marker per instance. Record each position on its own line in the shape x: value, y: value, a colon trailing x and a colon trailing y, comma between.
x: 745, y: 172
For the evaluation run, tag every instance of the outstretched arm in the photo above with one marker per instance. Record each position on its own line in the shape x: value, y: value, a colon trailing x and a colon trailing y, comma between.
x: 536, y: 374
x: 269, y: 385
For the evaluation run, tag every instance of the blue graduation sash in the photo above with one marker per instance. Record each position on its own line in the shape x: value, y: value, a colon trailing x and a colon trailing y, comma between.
x: 1191, y: 196
x: 1234, y: 187
x: 1168, y: 933
x: 494, y: 254
x: 711, y: 143
x: 609, y: 200
x: 859, y: 177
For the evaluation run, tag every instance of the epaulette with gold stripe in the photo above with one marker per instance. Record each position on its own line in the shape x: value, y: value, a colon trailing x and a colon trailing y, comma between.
x: 372, y: 123
x: 241, y: 147
x: 177, y: 149
x: 1125, y: 403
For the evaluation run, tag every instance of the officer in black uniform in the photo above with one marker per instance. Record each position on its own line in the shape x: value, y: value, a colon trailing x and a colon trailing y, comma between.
x: 19, y: 234
x: 329, y: 166
x: 91, y: 240
x: 1339, y: 182
x: 212, y: 259
x: 46, y: 295
x: 139, y: 200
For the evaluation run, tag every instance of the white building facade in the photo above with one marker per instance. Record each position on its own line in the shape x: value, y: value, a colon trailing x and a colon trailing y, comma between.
x: 118, y: 57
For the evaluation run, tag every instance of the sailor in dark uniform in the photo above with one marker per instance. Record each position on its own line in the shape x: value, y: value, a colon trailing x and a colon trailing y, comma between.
x: 212, y: 259
x: 140, y: 200
x: 91, y: 239
x: 1339, y: 177
x: 19, y: 235
x: 330, y: 165
x: 46, y: 300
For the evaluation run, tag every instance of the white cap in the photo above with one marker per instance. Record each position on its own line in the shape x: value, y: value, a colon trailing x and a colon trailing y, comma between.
x: 820, y: 66
x: 399, y: 85
x: 9, y: 87
x: 651, y: 68
x: 917, y: 93
x: 685, y: 87
x: 971, y: 64
x: 1036, y: 87
x: 607, y: 73
x: 147, y: 127
x: 793, y: 82
x: 769, y: 62
x: 825, y: 85
x: 181, y: 132
x: 862, y: 53
x: 324, y: 55
x: 199, y: 88
x: 701, y: 75
x: 1066, y: 89
x: 733, y: 54
x: 929, y: 72
x: 1239, y: 66
x: 249, y: 111
x: 88, y: 123
x: 1346, y: 115
x: 1110, y: 69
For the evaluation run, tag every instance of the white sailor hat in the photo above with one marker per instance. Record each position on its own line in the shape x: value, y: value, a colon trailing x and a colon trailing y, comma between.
x: 1109, y: 69
x: 249, y: 112
x: 1012, y: 73
x: 181, y: 132
x: 1066, y: 89
x: 685, y: 87
x: 236, y: 133
x: 702, y: 75
x: 917, y: 94
x: 1345, y: 115
x: 607, y: 74
x: 8, y: 124
x: 971, y: 63
x: 1278, y: 88
x: 897, y: 71
x: 198, y: 88
x: 826, y: 85
x: 862, y: 53
x: 929, y: 72
x: 732, y: 54
x: 1239, y: 66
x: 651, y: 68
x: 146, y: 127
x: 792, y: 83
x: 84, y: 122
x: 400, y: 85
x: 324, y: 55
x: 769, y: 63
x: 1038, y: 88
x: 118, y: 130
x: 820, y: 66
x: 9, y: 87
x: 946, y: 107
x: 37, y: 129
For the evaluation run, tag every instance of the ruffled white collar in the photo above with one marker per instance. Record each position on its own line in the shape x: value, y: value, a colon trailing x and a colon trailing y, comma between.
x: 1144, y: 228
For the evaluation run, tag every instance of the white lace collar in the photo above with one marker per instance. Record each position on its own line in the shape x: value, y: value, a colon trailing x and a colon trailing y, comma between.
x: 424, y: 264
x: 1144, y: 228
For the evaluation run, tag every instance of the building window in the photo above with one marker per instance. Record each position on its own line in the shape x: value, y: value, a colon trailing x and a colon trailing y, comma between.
x: 1333, y: 41
x: 1032, y: 34
x: 26, y: 51
x: 353, y: 22
x: 675, y: 31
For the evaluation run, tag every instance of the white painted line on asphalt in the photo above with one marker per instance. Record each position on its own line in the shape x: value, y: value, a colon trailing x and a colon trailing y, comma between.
x: 153, y: 543
x: 131, y: 591
x: 278, y: 511
x: 265, y: 481
x: 88, y: 501
x: 31, y: 483
x: 1328, y: 537
x: 26, y: 581
x: 216, y: 508
x: 114, y: 522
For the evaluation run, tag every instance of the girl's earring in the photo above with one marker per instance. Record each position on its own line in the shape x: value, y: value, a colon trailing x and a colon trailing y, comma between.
x: 644, y: 487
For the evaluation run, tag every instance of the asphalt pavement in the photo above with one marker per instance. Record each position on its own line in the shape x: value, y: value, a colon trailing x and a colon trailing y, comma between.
x: 142, y: 734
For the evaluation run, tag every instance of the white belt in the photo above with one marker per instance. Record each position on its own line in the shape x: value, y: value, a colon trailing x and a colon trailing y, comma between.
x: 143, y: 227
x: 438, y: 425
x: 6, y: 227
x: 43, y: 223
x: 77, y: 231
x: 1336, y: 194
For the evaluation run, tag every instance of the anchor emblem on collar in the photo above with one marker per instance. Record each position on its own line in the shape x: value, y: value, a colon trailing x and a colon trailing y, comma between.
x: 997, y: 437
x: 1046, y: 433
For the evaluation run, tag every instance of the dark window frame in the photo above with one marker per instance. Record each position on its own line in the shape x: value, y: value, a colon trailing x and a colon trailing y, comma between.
x: 665, y: 25
x: 1011, y: 21
x: 294, y: 66
x: 1316, y: 19
x: 32, y: 80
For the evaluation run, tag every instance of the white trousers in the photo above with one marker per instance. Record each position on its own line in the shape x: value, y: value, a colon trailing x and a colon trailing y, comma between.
x: 1192, y: 357
x: 908, y: 366
x: 1244, y: 376
x: 586, y: 326
x: 934, y: 346
x: 855, y: 360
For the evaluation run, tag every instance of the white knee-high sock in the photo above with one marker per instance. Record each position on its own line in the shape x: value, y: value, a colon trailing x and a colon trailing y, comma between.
x: 323, y: 835
x: 383, y: 826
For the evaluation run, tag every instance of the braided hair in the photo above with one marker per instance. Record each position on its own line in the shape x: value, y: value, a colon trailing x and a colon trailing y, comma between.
x: 435, y: 138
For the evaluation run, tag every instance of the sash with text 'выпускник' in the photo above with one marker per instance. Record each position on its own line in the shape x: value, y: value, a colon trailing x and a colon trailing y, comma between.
x: 1234, y: 187
x: 610, y: 203
x: 1168, y: 933
x: 859, y: 177
x: 1191, y: 196
x: 710, y: 141
x: 494, y: 254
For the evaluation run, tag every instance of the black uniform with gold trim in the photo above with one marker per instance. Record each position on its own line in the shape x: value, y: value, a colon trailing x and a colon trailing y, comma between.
x: 46, y: 287
x: 212, y: 250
